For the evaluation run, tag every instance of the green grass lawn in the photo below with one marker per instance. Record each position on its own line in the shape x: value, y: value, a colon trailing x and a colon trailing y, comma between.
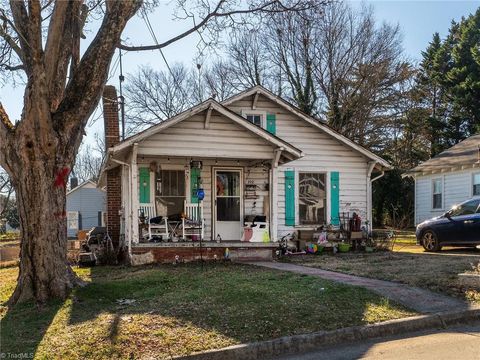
x: 408, y: 264
x: 181, y: 310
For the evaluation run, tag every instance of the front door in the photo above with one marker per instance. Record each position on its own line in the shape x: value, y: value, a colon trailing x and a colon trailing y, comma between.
x: 228, y: 203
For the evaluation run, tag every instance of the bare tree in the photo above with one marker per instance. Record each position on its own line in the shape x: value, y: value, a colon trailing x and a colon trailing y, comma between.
x: 6, y: 192
x: 290, y: 41
x: 62, y: 89
x: 88, y: 163
x: 219, y: 80
x: 359, y: 70
x: 153, y: 96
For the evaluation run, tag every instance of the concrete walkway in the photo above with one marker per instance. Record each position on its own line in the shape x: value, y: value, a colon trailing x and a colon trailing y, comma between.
x: 417, y: 299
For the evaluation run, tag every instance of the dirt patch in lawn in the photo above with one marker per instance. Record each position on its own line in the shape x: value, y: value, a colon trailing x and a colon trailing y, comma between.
x: 407, y: 264
x: 160, y: 311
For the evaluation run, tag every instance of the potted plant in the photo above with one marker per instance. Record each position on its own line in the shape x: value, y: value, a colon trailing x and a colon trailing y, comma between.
x: 344, y: 247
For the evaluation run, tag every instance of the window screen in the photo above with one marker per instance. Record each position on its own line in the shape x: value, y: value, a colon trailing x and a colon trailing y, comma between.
x: 312, y: 198
x: 170, y: 192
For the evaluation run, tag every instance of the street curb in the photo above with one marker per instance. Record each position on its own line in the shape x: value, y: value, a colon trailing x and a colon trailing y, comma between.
x: 308, y: 342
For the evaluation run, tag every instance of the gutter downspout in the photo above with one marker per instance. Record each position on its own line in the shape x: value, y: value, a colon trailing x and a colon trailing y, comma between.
x: 371, y: 193
x: 371, y: 165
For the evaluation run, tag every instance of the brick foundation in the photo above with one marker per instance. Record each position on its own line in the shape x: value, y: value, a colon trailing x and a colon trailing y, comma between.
x: 188, y: 254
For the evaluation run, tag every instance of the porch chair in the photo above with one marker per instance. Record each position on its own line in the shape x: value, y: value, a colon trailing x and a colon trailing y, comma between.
x: 192, y: 223
x: 154, y: 229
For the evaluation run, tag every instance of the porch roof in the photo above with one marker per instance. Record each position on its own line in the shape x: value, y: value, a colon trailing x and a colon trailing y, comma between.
x: 282, y: 151
x: 209, y: 105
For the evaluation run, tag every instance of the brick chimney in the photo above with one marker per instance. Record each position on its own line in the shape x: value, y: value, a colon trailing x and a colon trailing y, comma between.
x: 114, y: 184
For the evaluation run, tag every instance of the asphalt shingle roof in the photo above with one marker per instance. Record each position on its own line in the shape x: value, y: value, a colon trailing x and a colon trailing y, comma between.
x: 465, y: 153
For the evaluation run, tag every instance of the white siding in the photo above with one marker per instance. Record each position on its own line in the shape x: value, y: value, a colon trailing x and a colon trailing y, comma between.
x: 323, y: 153
x: 457, y: 187
x: 223, y: 138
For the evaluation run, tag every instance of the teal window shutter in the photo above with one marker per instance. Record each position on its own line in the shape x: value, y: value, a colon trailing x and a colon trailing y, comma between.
x: 271, y: 124
x: 290, y: 197
x: 144, y: 180
x: 194, y: 175
x: 335, y: 197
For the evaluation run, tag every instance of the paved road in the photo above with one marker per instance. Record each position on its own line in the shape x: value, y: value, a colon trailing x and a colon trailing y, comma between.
x: 421, y: 300
x: 451, y: 344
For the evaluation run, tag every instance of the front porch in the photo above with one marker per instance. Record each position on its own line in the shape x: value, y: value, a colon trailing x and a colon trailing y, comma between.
x: 234, y: 191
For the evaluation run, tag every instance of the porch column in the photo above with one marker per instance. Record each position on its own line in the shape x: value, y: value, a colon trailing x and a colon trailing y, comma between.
x: 126, y: 210
x: 134, y: 194
x: 274, y: 195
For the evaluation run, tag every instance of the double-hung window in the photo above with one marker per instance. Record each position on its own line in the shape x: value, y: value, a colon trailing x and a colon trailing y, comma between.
x: 476, y: 184
x: 312, y: 198
x: 170, y: 192
x: 256, y: 117
x: 437, y: 193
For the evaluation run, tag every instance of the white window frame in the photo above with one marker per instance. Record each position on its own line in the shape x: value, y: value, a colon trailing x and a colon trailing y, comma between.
x: 473, y: 182
x: 442, y: 183
x: 297, y: 197
x: 263, y: 115
x: 73, y: 224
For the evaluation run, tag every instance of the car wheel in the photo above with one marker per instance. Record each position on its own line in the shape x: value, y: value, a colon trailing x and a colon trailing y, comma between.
x: 430, y: 241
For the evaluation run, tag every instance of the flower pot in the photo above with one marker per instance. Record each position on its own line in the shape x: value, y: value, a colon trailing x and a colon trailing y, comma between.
x: 369, y: 249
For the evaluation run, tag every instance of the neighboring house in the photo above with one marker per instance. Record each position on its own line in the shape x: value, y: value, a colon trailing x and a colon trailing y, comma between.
x: 259, y: 155
x: 86, y: 207
x: 447, y: 179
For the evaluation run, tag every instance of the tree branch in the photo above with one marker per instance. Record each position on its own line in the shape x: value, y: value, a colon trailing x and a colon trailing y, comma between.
x: 56, y: 40
x: 272, y: 6
x: 85, y: 86
x: 11, y: 41
x: 6, y: 132
x: 13, y: 68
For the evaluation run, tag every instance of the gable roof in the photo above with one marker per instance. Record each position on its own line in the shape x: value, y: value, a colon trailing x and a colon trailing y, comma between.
x: 315, y: 122
x: 463, y: 155
x: 214, y: 105
x: 83, y: 184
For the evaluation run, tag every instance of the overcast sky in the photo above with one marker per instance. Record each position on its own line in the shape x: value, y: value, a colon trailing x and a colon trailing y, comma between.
x: 418, y: 21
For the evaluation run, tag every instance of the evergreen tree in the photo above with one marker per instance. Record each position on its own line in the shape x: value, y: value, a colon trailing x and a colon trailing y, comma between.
x: 463, y: 78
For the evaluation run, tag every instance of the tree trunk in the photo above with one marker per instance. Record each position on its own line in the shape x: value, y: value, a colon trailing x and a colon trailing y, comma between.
x: 44, y: 271
x: 40, y: 163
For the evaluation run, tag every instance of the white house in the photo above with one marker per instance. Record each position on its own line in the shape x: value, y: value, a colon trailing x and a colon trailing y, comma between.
x: 447, y: 179
x: 254, y: 154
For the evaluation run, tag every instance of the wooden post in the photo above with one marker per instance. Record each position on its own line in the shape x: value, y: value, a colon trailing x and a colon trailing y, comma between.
x: 134, y: 195
x: 274, y: 195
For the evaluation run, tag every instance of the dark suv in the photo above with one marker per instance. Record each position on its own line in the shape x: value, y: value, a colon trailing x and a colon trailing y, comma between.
x: 459, y: 226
